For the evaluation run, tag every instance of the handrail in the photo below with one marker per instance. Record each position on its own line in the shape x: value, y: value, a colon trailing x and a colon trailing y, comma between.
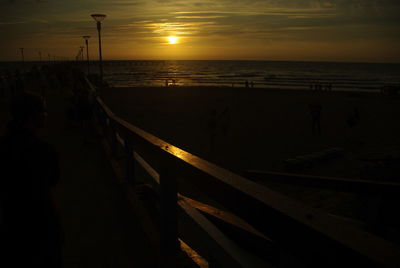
x: 312, y: 234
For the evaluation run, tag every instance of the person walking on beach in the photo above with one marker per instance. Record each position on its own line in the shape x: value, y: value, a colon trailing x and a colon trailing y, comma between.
x: 29, y: 227
x: 315, y: 112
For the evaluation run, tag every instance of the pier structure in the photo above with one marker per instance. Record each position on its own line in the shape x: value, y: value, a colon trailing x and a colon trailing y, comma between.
x: 133, y: 62
x: 124, y: 202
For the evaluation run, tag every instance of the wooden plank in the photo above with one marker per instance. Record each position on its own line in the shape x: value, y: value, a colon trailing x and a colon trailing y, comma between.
x: 238, y: 230
x: 149, y: 169
x: 105, y: 108
x: 196, y: 258
x: 224, y: 215
x: 212, y: 243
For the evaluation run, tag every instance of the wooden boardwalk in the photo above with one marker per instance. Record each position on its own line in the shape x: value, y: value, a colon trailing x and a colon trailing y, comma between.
x: 99, y: 226
x: 102, y: 230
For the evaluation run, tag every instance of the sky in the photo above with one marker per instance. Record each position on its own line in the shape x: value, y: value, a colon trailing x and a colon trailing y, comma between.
x: 295, y: 30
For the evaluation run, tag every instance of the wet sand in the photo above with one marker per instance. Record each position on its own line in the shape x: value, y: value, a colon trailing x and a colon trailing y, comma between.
x: 265, y: 127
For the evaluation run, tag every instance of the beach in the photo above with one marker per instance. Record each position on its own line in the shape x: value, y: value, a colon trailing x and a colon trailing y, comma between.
x: 266, y: 127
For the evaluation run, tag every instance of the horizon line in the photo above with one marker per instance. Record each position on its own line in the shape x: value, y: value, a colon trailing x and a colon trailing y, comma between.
x: 263, y: 60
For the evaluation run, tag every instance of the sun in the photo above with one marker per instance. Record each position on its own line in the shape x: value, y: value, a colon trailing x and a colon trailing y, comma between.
x: 172, y: 39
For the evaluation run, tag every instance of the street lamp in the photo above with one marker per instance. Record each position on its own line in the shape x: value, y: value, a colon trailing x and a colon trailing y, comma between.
x: 81, y: 52
x: 99, y: 18
x: 86, y: 37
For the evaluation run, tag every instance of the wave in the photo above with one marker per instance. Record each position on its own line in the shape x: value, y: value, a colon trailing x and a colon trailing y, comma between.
x: 267, y: 74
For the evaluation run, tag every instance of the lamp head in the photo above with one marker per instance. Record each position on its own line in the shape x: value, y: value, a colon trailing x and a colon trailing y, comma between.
x: 98, y: 17
x: 86, y: 37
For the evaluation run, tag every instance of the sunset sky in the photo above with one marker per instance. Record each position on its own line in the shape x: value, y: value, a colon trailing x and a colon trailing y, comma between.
x: 301, y: 30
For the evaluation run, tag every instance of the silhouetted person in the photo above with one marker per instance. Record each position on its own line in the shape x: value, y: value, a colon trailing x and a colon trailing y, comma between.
x: 315, y: 112
x: 246, y: 84
x: 30, y: 230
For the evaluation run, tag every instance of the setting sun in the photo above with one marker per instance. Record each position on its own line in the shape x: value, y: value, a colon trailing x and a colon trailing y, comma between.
x: 172, y: 39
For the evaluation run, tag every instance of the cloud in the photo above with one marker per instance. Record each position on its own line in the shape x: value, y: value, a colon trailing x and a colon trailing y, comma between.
x: 11, y: 22
x: 205, y: 22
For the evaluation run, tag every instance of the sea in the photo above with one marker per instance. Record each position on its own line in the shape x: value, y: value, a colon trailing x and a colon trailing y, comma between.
x: 263, y: 74
x: 232, y: 73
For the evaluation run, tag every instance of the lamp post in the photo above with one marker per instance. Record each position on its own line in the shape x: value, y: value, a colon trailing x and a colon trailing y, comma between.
x: 81, y: 53
x: 86, y: 37
x: 99, y: 18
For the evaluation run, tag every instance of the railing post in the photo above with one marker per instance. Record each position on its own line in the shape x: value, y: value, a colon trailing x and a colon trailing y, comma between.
x: 169, y: 221
x: 130, y: 162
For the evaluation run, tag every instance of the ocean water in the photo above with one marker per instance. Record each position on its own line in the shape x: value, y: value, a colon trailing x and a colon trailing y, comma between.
x: 263, y: 74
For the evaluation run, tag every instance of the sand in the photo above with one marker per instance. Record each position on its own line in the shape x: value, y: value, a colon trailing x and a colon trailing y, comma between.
x: 266, y: 127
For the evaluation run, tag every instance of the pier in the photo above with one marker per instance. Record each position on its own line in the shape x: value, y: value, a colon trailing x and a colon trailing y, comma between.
x: 124, y: 201
x: 111, y: 63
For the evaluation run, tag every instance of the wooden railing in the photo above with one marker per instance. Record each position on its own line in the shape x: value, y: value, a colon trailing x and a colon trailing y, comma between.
x: 267, y: 227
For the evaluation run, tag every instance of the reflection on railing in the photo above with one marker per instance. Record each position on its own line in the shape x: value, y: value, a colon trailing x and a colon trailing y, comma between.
x: 280, y: 229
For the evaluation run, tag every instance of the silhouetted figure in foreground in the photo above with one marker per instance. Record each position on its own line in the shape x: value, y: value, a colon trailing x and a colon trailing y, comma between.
x: 315, y: 112
x: 30, y: 230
